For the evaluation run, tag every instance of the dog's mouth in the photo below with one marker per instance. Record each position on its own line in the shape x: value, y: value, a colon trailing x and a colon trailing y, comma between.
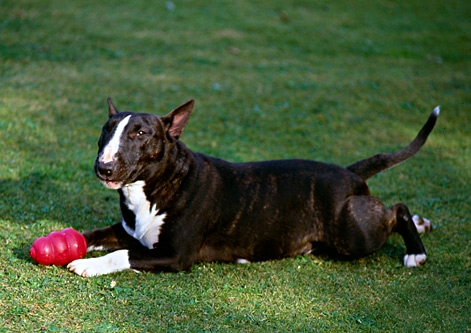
x: 113, y: 179
x: 106, y: 177
x: 113, y: 185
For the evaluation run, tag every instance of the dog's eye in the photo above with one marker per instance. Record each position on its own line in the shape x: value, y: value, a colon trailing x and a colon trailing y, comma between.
x: 140, y: 132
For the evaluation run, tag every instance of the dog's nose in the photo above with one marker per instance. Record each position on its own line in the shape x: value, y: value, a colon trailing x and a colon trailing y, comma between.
x: 104, y: 169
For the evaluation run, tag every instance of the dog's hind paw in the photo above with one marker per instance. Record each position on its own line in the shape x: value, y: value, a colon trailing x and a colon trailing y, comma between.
x: 422, y: 224
x: 414, y: 260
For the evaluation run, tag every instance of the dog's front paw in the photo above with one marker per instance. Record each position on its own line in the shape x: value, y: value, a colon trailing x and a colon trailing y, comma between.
x: 85, y: 267
x: 414, y: 260
x: 110, y: 263
x: 422, y: 224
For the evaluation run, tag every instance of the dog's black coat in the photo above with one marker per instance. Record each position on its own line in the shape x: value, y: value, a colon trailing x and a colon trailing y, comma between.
x: 220, y: 211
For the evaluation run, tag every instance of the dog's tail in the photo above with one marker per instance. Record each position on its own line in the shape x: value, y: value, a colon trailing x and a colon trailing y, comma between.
x: 371, y: 166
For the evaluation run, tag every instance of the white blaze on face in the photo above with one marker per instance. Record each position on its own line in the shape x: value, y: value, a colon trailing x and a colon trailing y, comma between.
x: 111, y: 149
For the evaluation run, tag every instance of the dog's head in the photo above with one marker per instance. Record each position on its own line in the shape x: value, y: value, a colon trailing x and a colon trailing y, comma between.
x: 131, y: 142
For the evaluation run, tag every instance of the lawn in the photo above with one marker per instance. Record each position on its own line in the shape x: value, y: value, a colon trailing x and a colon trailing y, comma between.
x: 334, y: 81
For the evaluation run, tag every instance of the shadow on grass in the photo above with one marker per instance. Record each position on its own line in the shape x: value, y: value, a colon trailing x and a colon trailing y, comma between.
x: 41, y: 203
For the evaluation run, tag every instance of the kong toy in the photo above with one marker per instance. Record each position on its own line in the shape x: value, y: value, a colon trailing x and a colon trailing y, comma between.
x: 59, y: 248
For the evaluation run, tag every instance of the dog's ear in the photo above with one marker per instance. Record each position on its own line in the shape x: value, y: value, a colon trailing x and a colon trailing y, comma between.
x: 176, y: 120
x: 111, y: 109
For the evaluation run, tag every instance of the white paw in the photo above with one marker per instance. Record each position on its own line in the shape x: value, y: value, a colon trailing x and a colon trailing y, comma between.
x: 110, y: 263
x: 84, y: 267
x: 422, y: 224
x: 414, y: 260
x: 242, y: 261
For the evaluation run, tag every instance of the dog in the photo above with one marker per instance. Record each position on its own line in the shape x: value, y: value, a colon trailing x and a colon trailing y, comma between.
x: 180, y: 207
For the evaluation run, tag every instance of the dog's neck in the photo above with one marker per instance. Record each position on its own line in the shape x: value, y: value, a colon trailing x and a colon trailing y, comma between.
x: 165, y: 176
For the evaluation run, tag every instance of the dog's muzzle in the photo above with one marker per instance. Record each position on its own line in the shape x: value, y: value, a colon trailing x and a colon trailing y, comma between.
x: 104, y: 172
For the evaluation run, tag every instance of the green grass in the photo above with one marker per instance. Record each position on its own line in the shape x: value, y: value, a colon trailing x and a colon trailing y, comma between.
x: 332, y: 81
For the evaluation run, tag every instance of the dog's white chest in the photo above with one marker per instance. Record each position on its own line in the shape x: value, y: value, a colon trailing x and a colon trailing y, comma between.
x: 148, y: 222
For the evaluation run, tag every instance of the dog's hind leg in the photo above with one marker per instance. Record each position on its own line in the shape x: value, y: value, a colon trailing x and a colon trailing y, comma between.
x: 365, y: 225
x: 422, y: 224
x: 407, y: 228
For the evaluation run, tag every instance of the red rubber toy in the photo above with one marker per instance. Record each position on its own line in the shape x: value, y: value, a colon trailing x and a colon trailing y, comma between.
x: 59, y: 248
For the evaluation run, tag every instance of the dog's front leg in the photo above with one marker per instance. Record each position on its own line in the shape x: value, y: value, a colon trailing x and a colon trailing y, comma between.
x: 113, y: 238
x: 129, y: 253
x: 112, y: 262
x: 156, y: 260
x: 138, y: 259
x: 109, y: 239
